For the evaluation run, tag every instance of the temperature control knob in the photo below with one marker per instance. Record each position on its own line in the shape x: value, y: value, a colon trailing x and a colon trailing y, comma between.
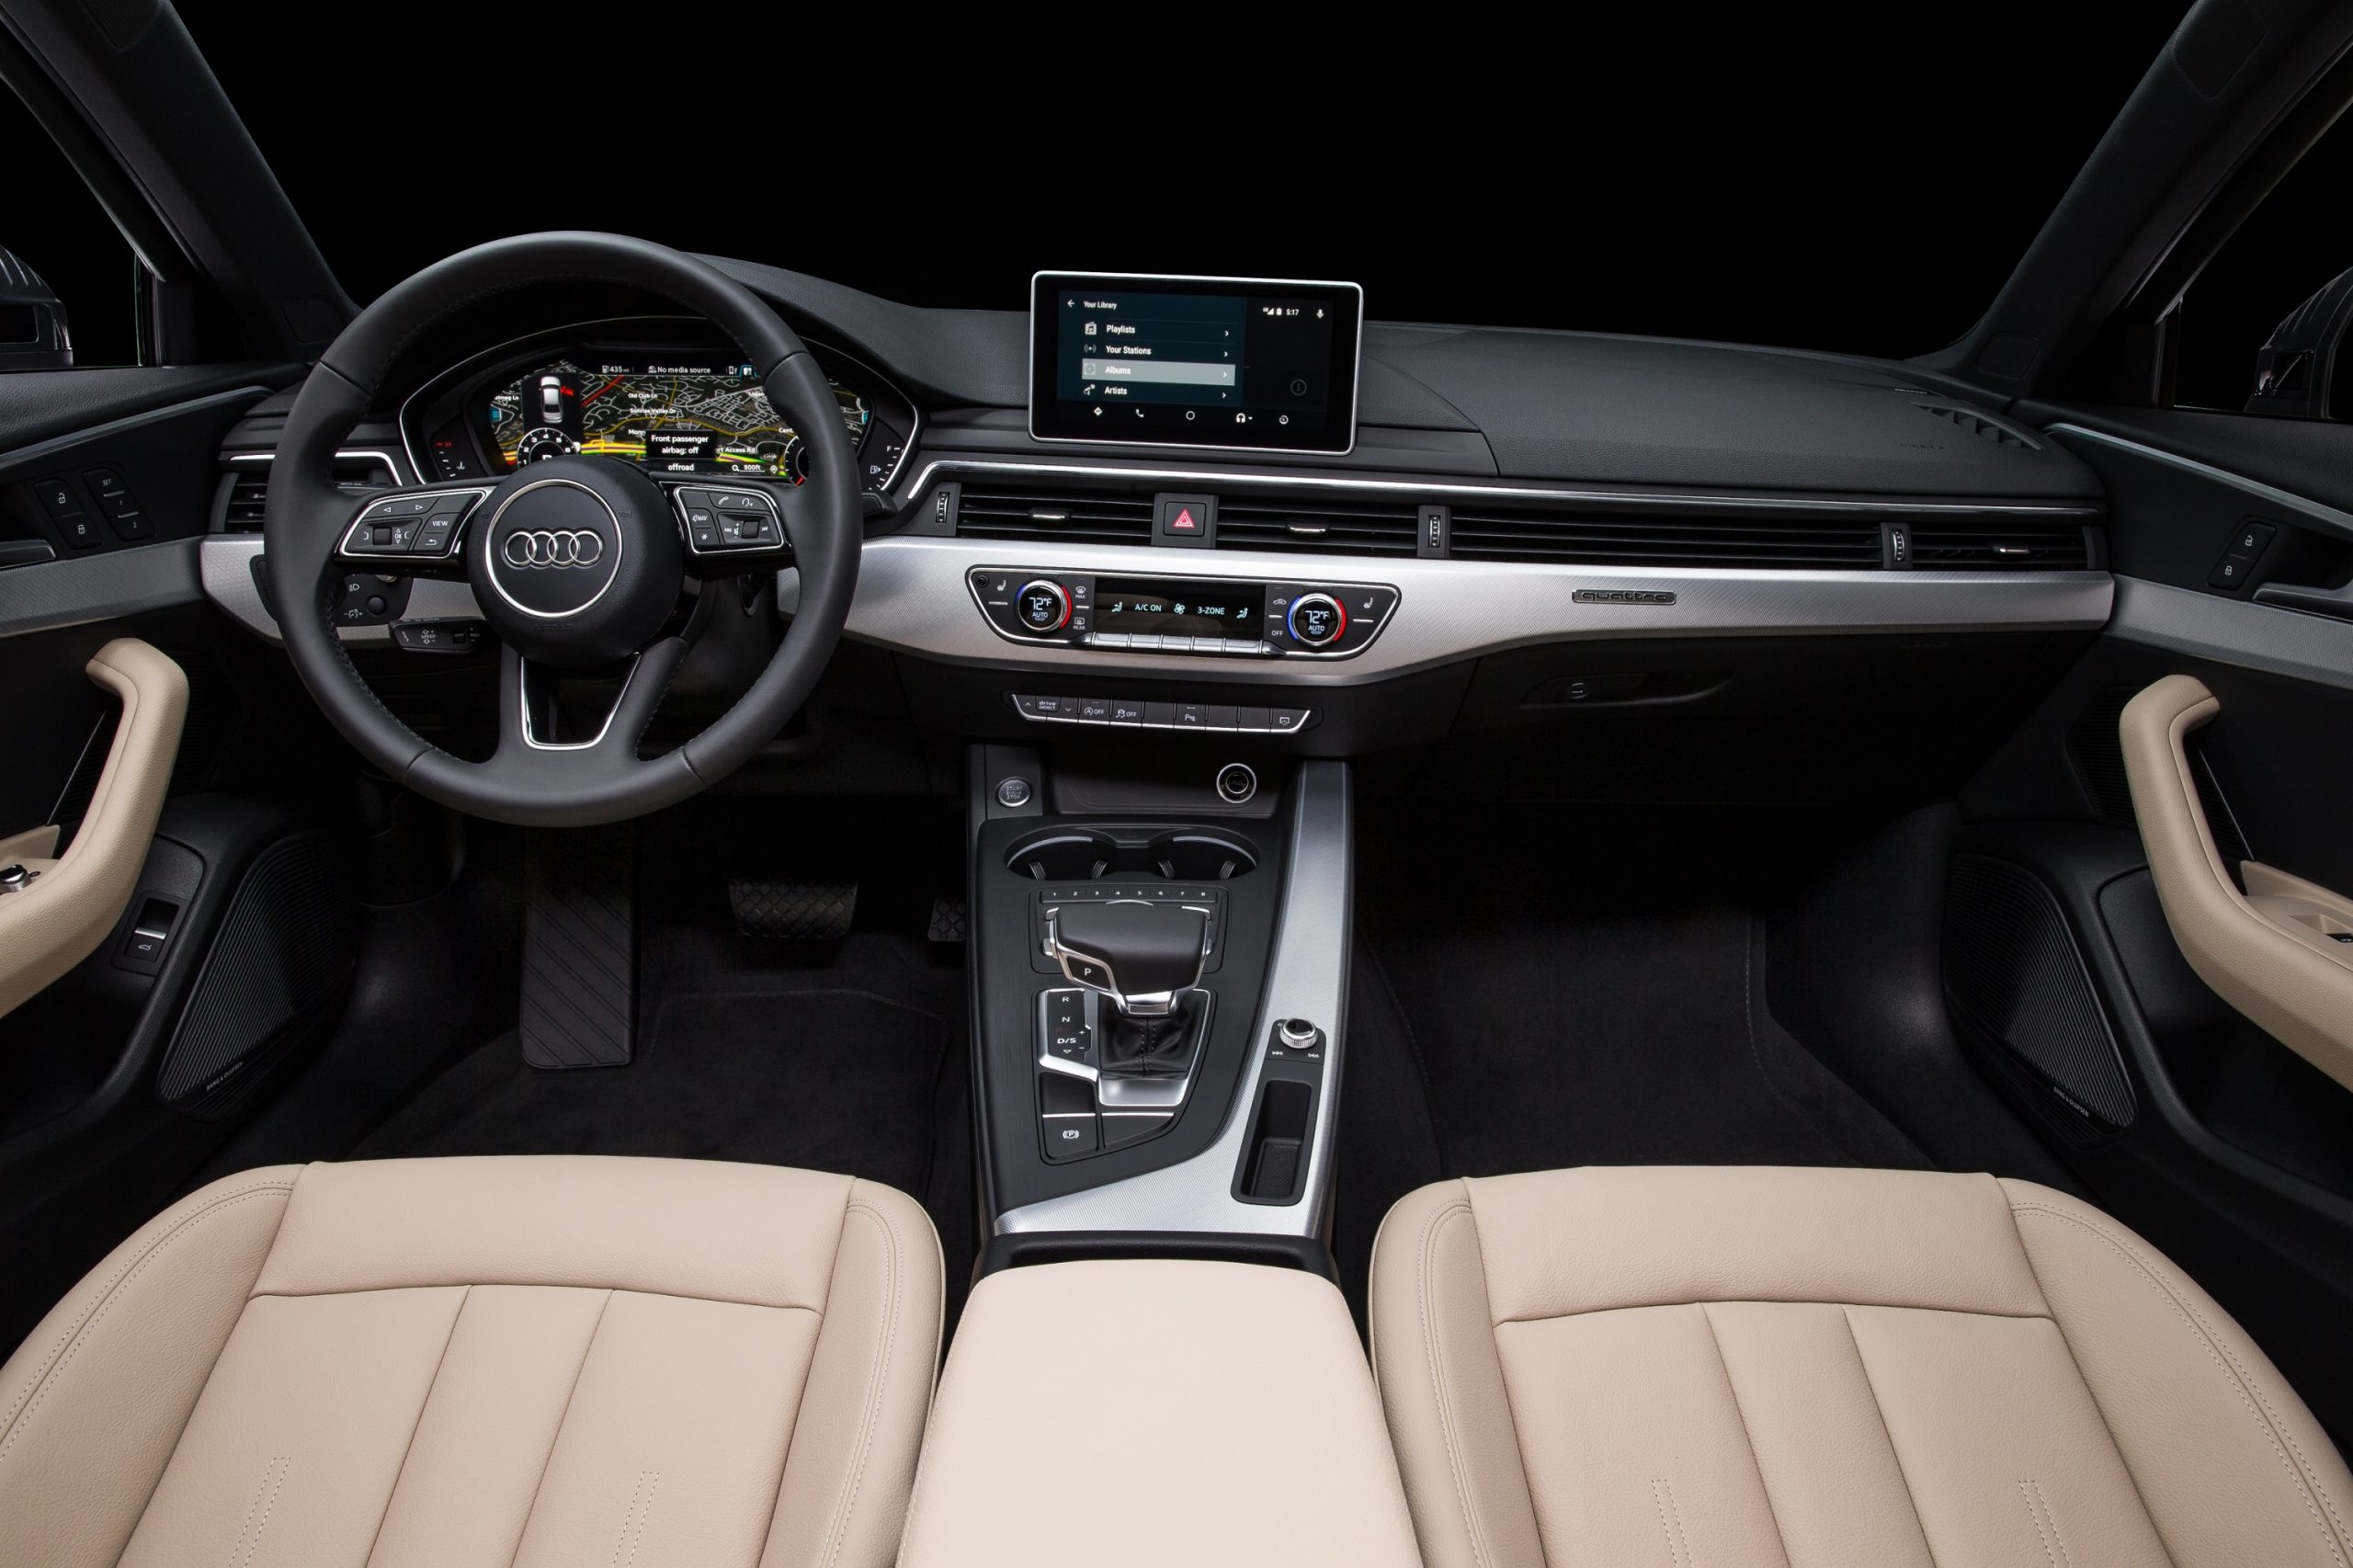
x: 1041, y: 607
x: 1316, y: 619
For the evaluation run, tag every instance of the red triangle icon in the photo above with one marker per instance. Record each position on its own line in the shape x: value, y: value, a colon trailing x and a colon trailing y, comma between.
x: 1183, y: 522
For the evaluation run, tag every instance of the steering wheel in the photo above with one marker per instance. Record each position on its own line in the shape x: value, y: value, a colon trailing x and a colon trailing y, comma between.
x: 578, y: 562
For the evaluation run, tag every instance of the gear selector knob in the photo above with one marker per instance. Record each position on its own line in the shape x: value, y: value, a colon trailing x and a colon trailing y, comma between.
x: 1139, y: 954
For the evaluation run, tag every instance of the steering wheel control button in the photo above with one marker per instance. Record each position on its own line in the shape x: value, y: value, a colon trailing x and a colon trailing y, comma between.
x: 1012, y: 793
x: 1236, y: 784
x: 440, y: 636
x: 1041, y: 607
x: 410, y: 525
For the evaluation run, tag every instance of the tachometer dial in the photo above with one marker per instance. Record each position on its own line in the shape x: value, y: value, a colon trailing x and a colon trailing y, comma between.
x: 796, y: 459
x: 547, y: 441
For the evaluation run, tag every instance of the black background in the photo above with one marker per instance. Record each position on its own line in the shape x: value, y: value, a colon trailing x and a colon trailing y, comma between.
x: 1861, y: 182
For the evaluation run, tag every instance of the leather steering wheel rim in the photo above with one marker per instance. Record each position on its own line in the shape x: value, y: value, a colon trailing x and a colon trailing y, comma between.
x: 526, y: 782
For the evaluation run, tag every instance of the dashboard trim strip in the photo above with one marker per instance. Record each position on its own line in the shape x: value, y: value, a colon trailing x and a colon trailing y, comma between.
x: 1637, y: 499
x: 913, y: 596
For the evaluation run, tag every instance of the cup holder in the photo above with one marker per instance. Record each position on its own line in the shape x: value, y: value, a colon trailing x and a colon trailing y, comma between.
x: 1196, y: 855
x: 1084, y: 855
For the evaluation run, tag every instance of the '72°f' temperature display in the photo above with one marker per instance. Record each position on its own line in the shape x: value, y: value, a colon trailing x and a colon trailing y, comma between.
x: 667, y: 417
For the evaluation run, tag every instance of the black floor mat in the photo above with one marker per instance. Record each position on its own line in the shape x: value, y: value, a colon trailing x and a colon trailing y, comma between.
x: 829, y: 1080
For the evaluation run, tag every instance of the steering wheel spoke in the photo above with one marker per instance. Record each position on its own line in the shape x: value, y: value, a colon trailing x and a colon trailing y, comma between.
x: 420, y: 532
x: 536, y: 723
x: 734, y: 526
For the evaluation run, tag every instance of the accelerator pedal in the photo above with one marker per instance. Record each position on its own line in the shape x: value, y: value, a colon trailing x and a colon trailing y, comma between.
x: 798, y: 912
x: 579, y: 949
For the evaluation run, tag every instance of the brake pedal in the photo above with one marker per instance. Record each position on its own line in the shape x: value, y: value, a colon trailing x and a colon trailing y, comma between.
x: 800, y: 911
x: 580, y: 948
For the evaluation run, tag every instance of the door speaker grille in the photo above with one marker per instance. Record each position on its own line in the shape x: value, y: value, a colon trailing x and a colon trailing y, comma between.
x: 2011, y: 969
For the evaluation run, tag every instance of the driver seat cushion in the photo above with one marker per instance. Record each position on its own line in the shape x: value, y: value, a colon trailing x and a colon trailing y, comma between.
x: 1776, y: 1367
x: 464, y: 1362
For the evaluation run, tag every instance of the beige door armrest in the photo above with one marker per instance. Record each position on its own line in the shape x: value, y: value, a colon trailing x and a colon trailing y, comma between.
x: 2270, y: 952
x: 56, y: 921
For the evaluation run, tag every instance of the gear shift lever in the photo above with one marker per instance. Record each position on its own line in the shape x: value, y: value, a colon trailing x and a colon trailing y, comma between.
x: 1146, y: 958
x: 1140, y: 955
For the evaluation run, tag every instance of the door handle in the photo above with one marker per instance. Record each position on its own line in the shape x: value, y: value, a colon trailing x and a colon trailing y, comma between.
x: 60, y: 915
x: 2334, y: 602
x: 2272, y: 951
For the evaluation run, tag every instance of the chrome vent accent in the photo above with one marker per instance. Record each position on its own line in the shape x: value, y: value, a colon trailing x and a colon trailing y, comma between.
x: 249, y: 489
x: 1979, y: 425
x: 1315, y: 527
x: 1794, y: 543
x: 2001, y: 544
x: 1072, y: 517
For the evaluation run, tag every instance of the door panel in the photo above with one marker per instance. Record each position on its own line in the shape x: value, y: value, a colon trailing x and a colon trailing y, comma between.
x: 2227, y: 1148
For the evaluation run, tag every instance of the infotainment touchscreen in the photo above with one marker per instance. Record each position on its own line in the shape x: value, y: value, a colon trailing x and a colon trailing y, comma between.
x: 1194, y: 361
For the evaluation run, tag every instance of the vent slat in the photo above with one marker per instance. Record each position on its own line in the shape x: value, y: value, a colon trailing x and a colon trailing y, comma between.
x: 1795, y: 544
x: 2037, y: 546
x: 1315, y: 527
x: 249, y: 489
x: 1074, y: 517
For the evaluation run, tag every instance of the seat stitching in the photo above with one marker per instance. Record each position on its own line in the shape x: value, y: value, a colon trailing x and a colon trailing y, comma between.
x: 1912, y: 1499
x: 1661, y: 1496
x: 418, y: 1425
x: 647, y: 1480
x: 2037, y: 1508
x: 869, y: 1419
x: 1441, y: 1390
x: 273, y: 1480
x: 1725, y: 1363
x: 39, y: 1390
x: 570, y: 1394
x: 2315, y: 1496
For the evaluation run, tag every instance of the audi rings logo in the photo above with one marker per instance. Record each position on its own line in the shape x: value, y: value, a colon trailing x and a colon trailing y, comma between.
x: 554, y: 548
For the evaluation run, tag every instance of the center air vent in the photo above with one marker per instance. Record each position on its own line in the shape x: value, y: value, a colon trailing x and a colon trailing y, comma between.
x: 1315, y: 527
x: 249, y: 488
x: 1770, y: 539
x: 1979, y: 425
x: 1070, y: 516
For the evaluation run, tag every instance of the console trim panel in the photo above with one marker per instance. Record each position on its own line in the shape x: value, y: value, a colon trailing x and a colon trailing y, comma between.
x: 1307, y: 978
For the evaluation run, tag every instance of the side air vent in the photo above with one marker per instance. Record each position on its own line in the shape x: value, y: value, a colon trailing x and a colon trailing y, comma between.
x: 1073, y: 516
x: 249, y: 489
x: 1315, y: 527
x: 2041, y: 544
x: 1788, y: 543
x: 1977, y: 424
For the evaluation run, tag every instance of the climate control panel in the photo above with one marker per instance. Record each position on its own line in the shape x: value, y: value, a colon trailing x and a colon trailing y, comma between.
x: 1214, y: 617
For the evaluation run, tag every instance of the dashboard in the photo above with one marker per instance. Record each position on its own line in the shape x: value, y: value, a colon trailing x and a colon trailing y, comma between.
x: 665, y: 395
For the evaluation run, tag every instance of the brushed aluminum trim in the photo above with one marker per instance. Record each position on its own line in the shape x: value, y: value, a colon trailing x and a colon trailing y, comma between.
x: 1307, y: 979
x: 913, y: 597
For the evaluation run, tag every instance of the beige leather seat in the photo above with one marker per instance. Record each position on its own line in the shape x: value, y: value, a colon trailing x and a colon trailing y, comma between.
x: 1733, y: 1367
x: 484, y: 1362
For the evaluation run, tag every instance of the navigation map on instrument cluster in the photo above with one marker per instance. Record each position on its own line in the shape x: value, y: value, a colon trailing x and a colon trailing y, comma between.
x: 666, y: 418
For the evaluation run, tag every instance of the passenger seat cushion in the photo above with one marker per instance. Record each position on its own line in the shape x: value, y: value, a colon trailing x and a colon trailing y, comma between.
x: 503, y: 1361
x: 1772, y: 1366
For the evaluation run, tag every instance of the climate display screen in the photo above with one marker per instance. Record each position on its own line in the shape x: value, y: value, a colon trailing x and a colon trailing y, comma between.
x: 1196, y: 609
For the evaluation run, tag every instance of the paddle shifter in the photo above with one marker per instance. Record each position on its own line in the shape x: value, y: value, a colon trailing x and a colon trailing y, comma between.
x: 1145, y: 960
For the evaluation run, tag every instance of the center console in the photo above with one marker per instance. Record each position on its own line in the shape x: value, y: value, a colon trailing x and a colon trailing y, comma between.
x: 1159, y: 972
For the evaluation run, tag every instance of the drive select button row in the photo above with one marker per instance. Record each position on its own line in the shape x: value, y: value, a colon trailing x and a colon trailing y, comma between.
x: 1221, y: 717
